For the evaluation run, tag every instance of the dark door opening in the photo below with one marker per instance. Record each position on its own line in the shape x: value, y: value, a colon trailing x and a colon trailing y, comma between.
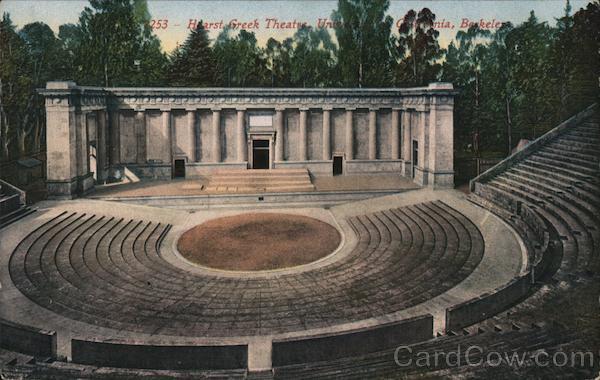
x: 179, y: 169
x: 337, y: 165
x: 260, y: 154
x: 415, y: 156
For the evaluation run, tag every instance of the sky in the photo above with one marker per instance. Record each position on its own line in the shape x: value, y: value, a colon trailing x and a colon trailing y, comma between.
x: 275, y: 18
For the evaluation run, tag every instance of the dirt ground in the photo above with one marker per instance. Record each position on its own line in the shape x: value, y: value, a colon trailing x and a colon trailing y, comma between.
x: 258, y: 241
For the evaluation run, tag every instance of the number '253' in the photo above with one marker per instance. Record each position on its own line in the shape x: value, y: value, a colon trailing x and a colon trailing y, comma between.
x: 159, y: 24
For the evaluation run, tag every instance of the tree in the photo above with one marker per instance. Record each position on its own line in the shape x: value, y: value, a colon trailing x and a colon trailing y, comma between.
x: 586, y: 56
x: 116, y: 46
x: 27, y: 61
x: 313, y: 58
x: 278, y: 58
x: 562, y: 61
x: 240, y: 61
x: 418, y: 49
x: 193, y: 63
x: 502, y: 89
x: 363, y: 33
x: 530, y: 50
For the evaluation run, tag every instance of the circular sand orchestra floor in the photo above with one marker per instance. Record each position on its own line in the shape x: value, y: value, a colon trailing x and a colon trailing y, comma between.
x: 258, y: 241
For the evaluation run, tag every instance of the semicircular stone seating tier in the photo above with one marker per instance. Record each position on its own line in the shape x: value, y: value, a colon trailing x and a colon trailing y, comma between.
x: 109, y: 272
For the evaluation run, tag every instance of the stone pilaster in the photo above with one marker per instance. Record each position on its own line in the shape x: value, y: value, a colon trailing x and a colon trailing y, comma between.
x: 441, y: 140
x: 326, y: 133
x: 372, y: 134
x: 61, y: 143
x: 279, y: 143
x: 302, y: 143
x: 349, y: 142
x: 241, y: 136
x: 395, y: 135
x: 216, y: 134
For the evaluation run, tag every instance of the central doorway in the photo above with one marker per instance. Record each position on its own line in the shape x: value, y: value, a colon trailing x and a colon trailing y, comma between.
x: 260, y: 154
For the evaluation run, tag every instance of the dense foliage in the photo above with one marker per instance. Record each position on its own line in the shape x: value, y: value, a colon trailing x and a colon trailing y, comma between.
x: 515, y: 82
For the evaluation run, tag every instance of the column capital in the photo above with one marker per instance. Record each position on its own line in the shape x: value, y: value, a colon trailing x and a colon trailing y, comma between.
x: 216, y: 109
x: 373, y: 109
x: 242, y: 109
x: 350, y: 109
x: 327, y: 108
x: 279, y: 109
x: 304, y: 109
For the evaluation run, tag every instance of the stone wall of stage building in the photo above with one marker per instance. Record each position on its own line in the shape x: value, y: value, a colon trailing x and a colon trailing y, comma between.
x: 94, y: 134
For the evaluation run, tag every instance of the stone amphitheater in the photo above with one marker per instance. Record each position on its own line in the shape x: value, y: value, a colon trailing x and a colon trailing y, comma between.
x: 95, y: 288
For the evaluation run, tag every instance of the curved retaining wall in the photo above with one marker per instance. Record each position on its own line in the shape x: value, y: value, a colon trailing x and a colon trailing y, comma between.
x: 27, y: 340
x: 129, y: 355
x: 487, y: 305
x: 358, y: 342
x: 490, y: 304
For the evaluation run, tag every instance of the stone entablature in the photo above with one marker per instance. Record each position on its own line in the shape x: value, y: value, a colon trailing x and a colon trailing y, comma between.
x: 402, y: 99
x: 152, y: 130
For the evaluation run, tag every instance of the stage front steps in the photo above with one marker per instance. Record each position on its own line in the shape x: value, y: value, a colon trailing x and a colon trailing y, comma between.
x: 269, y: 181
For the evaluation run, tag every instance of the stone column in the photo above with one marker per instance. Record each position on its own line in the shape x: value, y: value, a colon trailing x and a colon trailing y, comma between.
x: 216, y: 131
x: 349, y: 145
x: 302, y: 135
x: 423, y: 165
x: 372, y: 134
x: 86, y: 180
x: 115, y: 141
x: 406, y: 142
x: 241, y: 142
x: 166, y: 127
x: 327, y: 133
x: 83, y: 156
x: 279, y: 143
x: 191, y: 119
x: 395, y: 134
x: 140, y: 134
x: 101, y: 146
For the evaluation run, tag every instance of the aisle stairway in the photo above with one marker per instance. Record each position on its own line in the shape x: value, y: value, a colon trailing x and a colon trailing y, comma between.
x: 250, y: 181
